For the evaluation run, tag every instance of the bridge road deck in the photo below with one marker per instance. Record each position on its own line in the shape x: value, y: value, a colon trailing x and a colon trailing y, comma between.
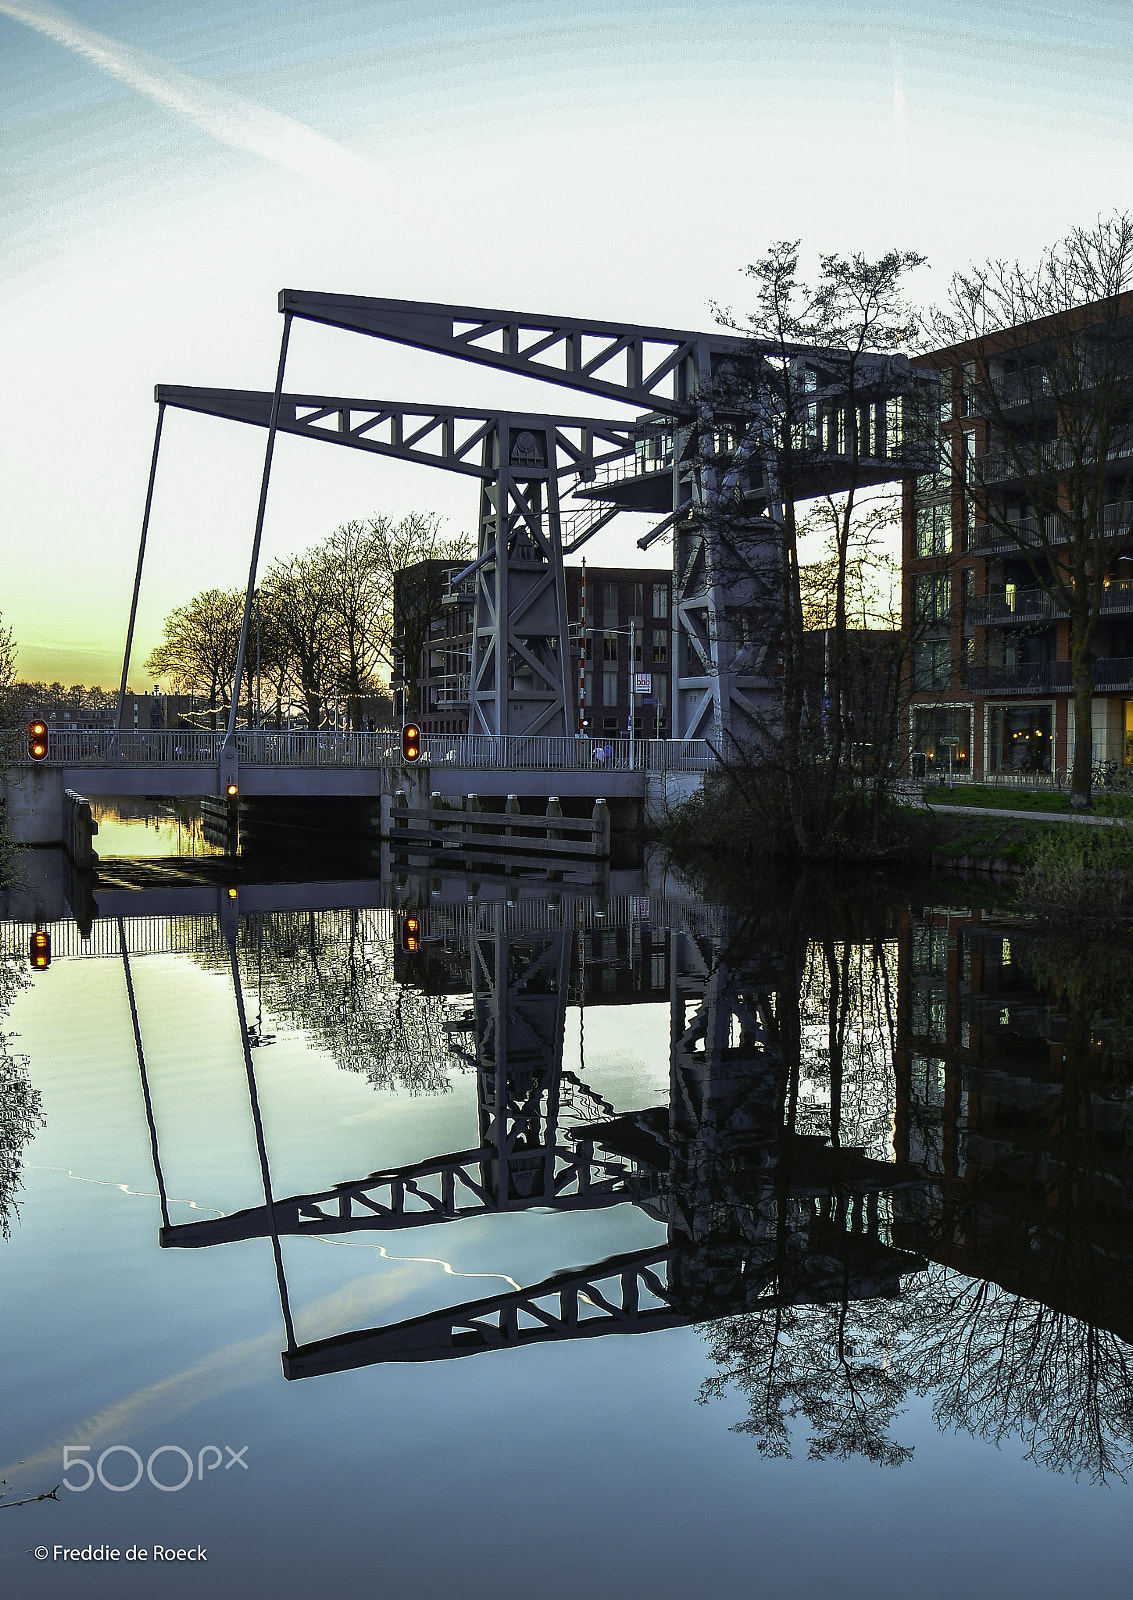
x: 185, y: 763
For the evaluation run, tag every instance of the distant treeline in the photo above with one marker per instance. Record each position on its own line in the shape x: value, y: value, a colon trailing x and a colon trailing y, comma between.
x: 322, y: 630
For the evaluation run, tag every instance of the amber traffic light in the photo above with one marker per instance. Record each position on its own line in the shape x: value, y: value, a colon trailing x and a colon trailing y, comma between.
x: 411, y: 742
x: 37, y: 741
x: 39, y: 949
x: 411, y: 934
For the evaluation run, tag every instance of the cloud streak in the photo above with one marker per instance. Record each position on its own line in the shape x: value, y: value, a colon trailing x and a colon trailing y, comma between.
x: 239, y: 123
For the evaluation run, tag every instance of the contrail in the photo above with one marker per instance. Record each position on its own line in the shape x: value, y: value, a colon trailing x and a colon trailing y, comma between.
x: 226, y: 117
x: 898, y: 106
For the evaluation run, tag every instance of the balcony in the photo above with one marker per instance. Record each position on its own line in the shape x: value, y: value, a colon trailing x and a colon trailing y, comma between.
x: 1001, y: 466
x: 1004, y: 607
x: 1112, y: 675
x: 1117, y: 519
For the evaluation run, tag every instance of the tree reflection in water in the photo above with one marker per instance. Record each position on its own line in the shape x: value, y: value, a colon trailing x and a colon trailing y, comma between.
x: 1002, y: 1072
x: 20, y: 1103
x: 330, y: 974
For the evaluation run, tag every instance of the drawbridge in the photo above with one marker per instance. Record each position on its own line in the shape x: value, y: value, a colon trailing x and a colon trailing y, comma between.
x: 700, y: 427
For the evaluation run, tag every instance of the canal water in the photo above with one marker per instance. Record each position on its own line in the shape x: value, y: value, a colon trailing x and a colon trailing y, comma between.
x: 441, y: 1237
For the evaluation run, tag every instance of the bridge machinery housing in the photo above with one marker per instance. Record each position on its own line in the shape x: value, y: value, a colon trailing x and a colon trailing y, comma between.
x: 698, y: 444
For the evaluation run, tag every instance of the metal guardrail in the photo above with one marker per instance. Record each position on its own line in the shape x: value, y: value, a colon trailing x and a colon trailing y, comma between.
x: 199, y: 935
x: 517, y: 751
x: 1049, y: 677
x: 1117, y: 518
x: 1001, y: 466
x: 1034, y: 605
x: 268, y: 748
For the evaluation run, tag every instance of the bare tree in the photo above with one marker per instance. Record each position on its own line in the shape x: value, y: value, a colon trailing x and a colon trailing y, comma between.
x: 301, y: 598
x: 1042, y: 359
x: 197, y: 654
x: 356, y: 587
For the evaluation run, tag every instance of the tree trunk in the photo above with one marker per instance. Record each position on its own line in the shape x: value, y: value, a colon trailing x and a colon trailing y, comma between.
x: 1082, y: 671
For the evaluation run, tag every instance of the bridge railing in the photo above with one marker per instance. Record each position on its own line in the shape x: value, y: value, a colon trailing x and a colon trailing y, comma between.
x: 513, y: 751
x: 130, y: 747
x: 77, y: 747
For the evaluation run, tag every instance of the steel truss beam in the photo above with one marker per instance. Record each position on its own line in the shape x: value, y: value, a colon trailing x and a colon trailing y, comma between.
x: 625, y: 1294
x: 521, y: 678
x: 446, y: 1188
x: 450, y: 437
x: 645, y: 367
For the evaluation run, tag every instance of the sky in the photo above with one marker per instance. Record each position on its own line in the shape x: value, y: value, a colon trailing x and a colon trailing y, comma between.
x: 169, y: 165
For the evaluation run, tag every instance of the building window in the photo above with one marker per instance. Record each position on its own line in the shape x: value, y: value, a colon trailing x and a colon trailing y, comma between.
x: 946, y: 395
x: 932, y: 597
x: 1019, y: 738
x: 609, y: 688
x: 933, y: 535
x: 610, y: 604
x: 660, y: 600
x: 637, y: 600
x: 660, y: 644
x: 609, y: 647
x: 938, y: 729
x: 932, y: 664
x: 929, y: 949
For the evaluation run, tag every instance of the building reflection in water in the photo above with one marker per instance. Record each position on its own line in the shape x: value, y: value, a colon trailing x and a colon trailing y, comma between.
x: 894, y: 1159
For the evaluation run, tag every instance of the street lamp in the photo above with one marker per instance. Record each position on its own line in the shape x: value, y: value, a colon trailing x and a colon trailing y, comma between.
x: 621, y: 633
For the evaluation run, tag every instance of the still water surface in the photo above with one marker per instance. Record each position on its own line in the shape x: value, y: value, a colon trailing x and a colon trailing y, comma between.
x: 353, y: 1230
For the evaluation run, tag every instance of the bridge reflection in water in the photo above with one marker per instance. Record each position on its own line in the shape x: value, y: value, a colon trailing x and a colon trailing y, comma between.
x: 896, y: 1131
x: 752, y: 1206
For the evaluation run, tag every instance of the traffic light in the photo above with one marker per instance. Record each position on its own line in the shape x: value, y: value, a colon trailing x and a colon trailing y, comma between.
x: 411, y: 934
x: 411, y: 742
x: 39, y: 949
x: 37, y: 741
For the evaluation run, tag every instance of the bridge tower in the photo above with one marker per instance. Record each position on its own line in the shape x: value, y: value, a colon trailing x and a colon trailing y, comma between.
x: 519, y: 991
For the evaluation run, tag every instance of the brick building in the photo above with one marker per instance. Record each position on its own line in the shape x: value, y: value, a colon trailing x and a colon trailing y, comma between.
x: 990, y: 647
x: 625, y: 607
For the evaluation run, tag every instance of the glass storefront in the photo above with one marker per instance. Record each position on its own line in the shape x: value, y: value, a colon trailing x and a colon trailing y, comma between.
x: 1019, y: 738
x: 938, y: 730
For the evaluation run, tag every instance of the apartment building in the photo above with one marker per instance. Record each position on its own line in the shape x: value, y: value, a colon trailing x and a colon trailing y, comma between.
x: 989, y: 534
x: 620, y: 622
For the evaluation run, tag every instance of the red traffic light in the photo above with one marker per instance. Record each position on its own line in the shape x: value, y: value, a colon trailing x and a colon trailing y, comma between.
x: 411, y: 934
x: 411, y: 742
x: 38, y: 741
x: 39, y: 949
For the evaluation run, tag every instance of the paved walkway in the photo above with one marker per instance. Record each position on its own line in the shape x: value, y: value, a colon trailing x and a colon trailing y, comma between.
x: 1025, y: 816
